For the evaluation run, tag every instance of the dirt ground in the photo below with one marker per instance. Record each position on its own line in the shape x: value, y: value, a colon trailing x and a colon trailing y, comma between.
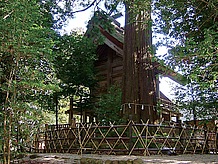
x: 112, y: 159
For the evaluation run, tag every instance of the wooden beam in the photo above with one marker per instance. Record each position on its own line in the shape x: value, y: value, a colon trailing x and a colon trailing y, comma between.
x: 114, y: 47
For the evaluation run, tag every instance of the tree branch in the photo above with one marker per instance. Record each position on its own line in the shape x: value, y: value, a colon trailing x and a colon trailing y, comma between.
x: 5, y: 17
x: 77, y: 11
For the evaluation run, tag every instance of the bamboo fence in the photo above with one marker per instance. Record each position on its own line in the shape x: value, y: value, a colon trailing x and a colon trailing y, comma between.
x: 129, y: 139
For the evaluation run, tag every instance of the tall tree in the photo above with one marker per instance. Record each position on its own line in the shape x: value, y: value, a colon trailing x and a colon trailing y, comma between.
x: 74, y: 66
x: 26, y: 71
x: 139, y: 79
x: 192, y: 25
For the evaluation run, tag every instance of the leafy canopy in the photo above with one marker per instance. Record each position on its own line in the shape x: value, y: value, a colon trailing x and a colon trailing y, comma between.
x: 192, y: 27
x: 108, y: 106
x: 26, y: 70
x: 74, y: 63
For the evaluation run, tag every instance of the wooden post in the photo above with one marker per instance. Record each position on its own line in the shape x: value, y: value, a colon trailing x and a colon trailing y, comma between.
x: 71, y: 111
x: 206, y: 139
x: 73, y: 123
x: 36, y: 143
x: 216, y: 139
x: 180, y: 135
x: 81, y: 110
x: 130, y: 135
x: 177, y: 119
x: 216, y: 135
x: 46, y: 141
x: 109, y: 69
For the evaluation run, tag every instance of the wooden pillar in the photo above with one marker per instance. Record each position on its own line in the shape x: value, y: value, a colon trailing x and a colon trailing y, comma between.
x: 157, y: 86
x: 46, y: 139
x: 177, y: 118
x: 71, y: 111
x: 206, y: 139
x: 91, y: 118
x: 109, y: 67
x: 181, y: 146
x: 84, y: 116
x: 170, y: 116
x: 36, y: 143
x: 73, y: 123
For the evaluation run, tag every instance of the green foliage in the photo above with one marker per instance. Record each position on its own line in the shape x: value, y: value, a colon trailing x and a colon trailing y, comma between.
x: 56, y: 12
x: 100, y: 19
x: 27, y: 76
x: 138, y: 10
x: 108, y: 107
x: 182, y: 18
x: 192, y: 27
x: 197, y: 103
x: 74, y: 66
x: 74, y: 63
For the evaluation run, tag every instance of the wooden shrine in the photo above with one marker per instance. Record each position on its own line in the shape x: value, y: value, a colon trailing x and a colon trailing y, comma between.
x: 109, y: 66
x: 110, y: 70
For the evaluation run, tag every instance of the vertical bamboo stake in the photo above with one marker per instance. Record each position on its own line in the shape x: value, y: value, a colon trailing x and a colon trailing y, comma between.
x: 5, y: 139
x: 9, y: 137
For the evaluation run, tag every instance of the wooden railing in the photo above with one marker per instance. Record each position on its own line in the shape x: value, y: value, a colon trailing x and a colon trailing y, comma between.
x: 131, y: 139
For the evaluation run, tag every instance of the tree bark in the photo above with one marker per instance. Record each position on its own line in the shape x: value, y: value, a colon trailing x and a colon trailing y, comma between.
x: 139, y: 84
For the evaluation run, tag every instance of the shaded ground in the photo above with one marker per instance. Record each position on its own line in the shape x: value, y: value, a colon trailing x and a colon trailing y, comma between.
x: 111, y: 159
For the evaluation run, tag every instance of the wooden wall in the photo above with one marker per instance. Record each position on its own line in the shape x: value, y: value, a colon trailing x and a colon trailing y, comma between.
x: 109, y: 68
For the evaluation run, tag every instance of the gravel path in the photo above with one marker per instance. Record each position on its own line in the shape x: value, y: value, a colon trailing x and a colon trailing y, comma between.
x: 112, y: 159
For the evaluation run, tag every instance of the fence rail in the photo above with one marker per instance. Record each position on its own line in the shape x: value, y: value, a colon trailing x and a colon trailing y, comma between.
x: 131, y: 139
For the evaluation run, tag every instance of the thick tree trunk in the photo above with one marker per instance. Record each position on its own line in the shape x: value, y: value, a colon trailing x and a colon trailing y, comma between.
x: 139, y: 88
